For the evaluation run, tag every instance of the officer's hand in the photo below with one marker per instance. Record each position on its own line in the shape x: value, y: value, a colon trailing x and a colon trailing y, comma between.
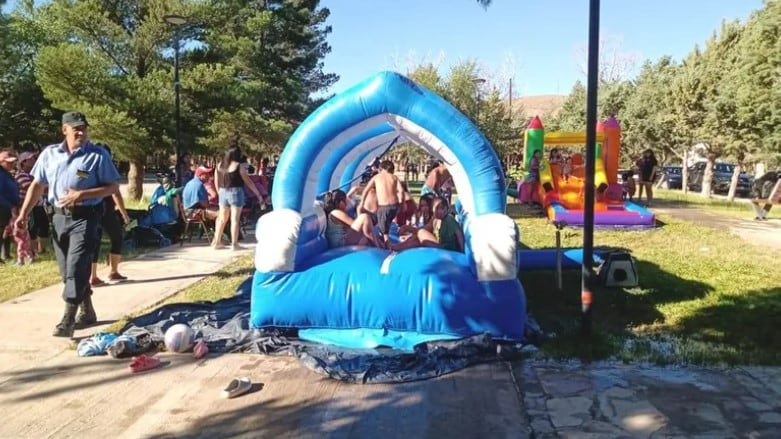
x: 71, y: 198
x: 125, y: 217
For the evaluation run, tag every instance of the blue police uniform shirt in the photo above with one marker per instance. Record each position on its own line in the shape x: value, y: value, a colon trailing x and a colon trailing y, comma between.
x: 88, y: 167
x: 194, y: 192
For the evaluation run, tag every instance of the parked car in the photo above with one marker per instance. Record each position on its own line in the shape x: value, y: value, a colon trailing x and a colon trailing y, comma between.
x: 673, y: 176
x: 722, y: 177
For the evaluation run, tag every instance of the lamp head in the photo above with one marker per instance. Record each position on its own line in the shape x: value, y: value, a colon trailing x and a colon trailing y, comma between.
x: 175, y: 19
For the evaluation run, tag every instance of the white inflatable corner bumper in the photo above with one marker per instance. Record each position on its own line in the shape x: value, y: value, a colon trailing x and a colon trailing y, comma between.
x: 277, y: 234
x: 494, y: 244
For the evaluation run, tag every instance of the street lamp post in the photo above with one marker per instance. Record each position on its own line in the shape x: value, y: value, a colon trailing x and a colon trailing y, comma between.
x: 478, y: 82
x: 587, y: 269
x: 176, y: 20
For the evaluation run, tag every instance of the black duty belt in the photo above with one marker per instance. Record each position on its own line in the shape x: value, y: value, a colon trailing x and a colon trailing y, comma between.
x: 79, y: 211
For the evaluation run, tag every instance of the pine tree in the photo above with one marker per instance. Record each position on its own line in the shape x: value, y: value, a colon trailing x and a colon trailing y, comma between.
x: 647, y: 118
x: 276, y: 48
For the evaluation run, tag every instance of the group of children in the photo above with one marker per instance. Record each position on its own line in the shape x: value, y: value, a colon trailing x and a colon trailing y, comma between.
x: 532, y: 180
x: 646, y: 167
x: 385, y: 200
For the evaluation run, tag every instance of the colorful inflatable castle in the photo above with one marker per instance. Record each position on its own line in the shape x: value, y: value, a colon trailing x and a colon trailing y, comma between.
x: 367, y: 297
x: 562, y: 193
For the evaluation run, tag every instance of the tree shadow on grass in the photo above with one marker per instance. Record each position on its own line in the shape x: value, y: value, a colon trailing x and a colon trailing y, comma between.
x: 243, y: 272
x: 615, y: 311
x: 749, y: 322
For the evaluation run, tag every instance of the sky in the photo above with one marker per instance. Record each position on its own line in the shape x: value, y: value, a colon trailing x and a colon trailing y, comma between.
x: 539, y: 43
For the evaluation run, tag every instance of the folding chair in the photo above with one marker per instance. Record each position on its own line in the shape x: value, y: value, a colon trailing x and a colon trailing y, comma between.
x: 198, y: 218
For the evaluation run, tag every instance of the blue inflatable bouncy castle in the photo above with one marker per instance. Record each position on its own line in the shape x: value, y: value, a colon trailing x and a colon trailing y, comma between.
x: 367, y: 297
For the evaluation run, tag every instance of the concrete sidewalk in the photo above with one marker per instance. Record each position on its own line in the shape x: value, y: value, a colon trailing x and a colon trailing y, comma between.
x: 765, y: 234
x: 27, y: 321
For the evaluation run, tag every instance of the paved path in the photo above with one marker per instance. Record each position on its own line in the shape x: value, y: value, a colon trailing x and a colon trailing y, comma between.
x: 761, y: 233
x: 611, y: 400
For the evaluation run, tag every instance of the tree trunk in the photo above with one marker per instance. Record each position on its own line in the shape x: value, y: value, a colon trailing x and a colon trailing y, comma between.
x: 707, y: 177
x: 733, y: 184
x: 685, y: 173
x: 135, y: 180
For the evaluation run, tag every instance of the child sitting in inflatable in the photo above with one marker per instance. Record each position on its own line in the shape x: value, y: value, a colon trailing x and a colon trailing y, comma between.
x: 408, y: 208
x: 442, y: 231
x: 342, y: 230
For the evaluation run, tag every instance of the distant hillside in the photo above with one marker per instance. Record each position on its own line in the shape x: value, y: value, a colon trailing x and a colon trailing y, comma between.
x: 541, y: 105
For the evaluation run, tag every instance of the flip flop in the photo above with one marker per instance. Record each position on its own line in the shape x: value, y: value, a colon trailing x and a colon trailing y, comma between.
x: 143, y: 363
x: 237, y: 387
x: 200, y: 349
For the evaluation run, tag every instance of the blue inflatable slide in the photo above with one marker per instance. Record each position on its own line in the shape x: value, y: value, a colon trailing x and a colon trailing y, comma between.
x: 368, y: 297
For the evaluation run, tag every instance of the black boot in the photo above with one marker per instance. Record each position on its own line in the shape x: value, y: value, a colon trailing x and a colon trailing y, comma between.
x: 87, y: 314
x: 66, y: 326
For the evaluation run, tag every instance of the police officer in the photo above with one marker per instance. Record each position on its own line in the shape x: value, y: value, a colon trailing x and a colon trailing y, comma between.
x: 79, y: 175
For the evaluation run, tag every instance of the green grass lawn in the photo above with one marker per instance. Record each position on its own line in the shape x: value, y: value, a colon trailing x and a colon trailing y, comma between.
x: 735, y: 209
x: 705, y: 296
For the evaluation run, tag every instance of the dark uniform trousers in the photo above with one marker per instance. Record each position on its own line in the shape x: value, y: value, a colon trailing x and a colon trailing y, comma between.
x: 75, y: 234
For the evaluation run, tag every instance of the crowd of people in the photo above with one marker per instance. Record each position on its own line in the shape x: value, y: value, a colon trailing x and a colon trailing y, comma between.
x: 31, y: 241
x: 220, y: 195
x: 68, y: 194
x: 367, y: 218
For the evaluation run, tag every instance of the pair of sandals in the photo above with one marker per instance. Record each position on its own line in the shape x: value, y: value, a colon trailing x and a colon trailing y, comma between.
x: 145, y: 362
x: 237, y: 386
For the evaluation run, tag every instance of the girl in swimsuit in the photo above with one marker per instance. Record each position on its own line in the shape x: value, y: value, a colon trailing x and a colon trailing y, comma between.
x: 341, y: 230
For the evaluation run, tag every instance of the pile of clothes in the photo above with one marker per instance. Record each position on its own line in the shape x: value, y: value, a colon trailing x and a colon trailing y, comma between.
x: 118, y: 346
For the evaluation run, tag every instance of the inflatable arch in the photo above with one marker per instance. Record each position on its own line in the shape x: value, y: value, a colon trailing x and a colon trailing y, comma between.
x: 419, y: 294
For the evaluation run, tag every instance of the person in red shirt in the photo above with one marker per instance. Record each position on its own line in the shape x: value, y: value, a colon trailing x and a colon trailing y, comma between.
x: 24, y: 251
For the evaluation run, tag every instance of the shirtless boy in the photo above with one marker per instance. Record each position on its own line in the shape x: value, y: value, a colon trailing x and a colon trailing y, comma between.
x: 435, y: 179
x: 389, y: 194
x: 366, y: 203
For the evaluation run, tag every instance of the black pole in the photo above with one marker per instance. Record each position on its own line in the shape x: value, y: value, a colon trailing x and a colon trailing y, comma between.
x: 591, y: 140
x: 177, y: 169
x: 477, y: 101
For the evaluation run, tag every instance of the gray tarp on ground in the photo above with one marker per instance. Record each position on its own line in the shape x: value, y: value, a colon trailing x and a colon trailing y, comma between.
x: 224, y: 326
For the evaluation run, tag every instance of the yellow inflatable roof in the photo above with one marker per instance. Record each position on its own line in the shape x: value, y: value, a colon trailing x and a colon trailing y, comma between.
x: 570, y: 138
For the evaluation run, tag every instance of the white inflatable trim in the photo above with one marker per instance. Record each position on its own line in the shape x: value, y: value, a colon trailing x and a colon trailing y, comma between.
x: 326, y: 151
x: 322, y: 219
x: 353, y: 154
x: 434, y: 146
x: 412, y: 132
x: 277, y: 233
x: 493, y: 240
